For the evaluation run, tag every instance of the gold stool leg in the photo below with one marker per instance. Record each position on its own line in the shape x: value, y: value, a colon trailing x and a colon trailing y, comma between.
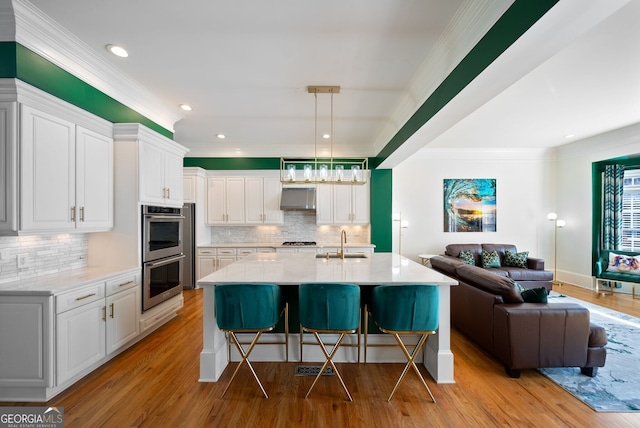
x: 366, y: 331
x: 329, y: 360
x: 245, y: 357
x: 286, y: 331
x: 411, y: 363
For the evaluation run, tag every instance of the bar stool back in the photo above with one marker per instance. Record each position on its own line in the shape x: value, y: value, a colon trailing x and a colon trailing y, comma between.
x: 407, y: 309
x: 247, y: 308
x: 329, y: 308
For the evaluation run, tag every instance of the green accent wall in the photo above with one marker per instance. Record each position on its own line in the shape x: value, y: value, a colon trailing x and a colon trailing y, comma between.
x: 381, y: 206
x: 227, y: 164
x: 512, y: 24
x: 18, y: 62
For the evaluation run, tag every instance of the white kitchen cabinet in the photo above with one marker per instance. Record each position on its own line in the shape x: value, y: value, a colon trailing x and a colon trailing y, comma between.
x: 262, y: 200
x: 207, y: 262
x: 342, y: 204
x: 225, y: 201
x: 27, y: 338
x: 189, y: 188
x: 90, y: 326
x: 80, y: 339
x: 94, y: 180
x: 161, y: 181
x: 59, y: 174
x: 122, y: 308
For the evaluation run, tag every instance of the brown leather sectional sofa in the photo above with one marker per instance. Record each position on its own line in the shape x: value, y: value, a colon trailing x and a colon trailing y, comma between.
x: 489, y: 309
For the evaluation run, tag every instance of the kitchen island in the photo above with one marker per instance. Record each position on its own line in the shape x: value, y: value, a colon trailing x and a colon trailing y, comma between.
x: 296, y: 268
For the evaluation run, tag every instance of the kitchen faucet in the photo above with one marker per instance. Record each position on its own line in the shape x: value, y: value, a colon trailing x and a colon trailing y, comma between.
x: 343, y: 240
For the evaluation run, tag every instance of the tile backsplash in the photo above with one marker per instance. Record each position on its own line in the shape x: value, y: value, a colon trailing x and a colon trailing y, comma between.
x: 44, y: 254
x: 298, y: 226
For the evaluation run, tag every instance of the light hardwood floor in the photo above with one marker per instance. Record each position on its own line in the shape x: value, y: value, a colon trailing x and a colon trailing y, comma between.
x: 155, y: 384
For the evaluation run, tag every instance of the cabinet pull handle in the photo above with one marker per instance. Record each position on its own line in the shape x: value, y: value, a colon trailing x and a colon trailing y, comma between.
x: 82, y: 214
x: 104, y: 313
x: 125, y: 283
x: 168, y: 192
x: 73, y: 213
x: 111, y: 305
x: 85, y: 297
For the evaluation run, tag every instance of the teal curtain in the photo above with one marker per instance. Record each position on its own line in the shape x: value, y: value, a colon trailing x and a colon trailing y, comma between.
x: 612, y: 194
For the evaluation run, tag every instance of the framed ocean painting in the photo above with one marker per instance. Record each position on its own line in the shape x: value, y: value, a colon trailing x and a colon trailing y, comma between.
x: 469, y: 204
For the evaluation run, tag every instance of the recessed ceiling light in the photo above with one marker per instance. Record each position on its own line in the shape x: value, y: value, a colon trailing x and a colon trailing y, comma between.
x: 326, y: 136
x: 221, y: 136
x: 118, y: 51
x: 185, y: 107
x: 569, y: 135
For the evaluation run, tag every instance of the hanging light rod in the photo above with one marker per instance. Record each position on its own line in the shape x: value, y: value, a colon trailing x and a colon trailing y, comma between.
x: 323, y: 89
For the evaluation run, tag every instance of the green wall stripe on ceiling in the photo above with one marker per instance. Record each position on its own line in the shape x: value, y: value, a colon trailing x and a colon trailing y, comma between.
x: 233, y: 163
x: 7, y: 60
x: 381, y: 183
x: 21, y: 63
x: 512, y: 24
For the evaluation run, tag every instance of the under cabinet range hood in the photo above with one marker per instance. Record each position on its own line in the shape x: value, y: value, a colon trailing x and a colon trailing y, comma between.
x: 298, y: 198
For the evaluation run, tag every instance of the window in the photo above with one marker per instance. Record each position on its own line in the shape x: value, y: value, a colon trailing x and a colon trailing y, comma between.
x: 631, y: 211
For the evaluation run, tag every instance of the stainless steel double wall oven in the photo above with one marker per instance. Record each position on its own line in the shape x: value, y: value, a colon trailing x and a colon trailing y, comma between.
x: 162, y: 254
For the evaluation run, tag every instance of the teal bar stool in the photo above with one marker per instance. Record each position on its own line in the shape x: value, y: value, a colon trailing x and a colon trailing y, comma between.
x: 407, y: 309
x: 329, y: 308
x: 248, y: 308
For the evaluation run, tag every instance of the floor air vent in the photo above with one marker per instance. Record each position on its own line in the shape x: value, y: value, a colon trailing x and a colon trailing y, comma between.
x: 313, y: 371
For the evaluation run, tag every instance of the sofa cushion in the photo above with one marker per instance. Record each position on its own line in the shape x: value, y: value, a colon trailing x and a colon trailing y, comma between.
x: 467, y: 257
x: 534, y: 295
x: 624, y: 263
x: 516, y: 259
x: 487, y: 281
x: 490, y: 259
x: 446, y: 264
x: 455, y: 249
x: 521, y: 274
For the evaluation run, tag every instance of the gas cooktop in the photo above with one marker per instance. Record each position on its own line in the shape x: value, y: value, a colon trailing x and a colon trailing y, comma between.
x: 298, y: 243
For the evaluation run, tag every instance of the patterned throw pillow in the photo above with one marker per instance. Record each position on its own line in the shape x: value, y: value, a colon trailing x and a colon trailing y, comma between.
x: 624, y: 264
x: 516, y: 259
x: 467, y: 257
x: 490, y: 259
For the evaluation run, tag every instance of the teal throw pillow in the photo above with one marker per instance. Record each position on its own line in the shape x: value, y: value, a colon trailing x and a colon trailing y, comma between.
x: 535, y: 295
x: 516, y: 259
x: 467, y: 257
x: 490, y: 259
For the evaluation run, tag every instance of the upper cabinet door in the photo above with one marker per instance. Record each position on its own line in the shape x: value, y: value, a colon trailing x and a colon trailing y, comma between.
x: 94, y: 190
x: 272, y: 193
x: 152, y: 188
x: 173, y: 181
x: 47, y: 172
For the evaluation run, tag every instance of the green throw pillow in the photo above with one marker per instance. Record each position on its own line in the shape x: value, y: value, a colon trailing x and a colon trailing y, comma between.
x: 534, y: 295
x: 516, y: 259
x: 490, y: 259
x: 467, y: 257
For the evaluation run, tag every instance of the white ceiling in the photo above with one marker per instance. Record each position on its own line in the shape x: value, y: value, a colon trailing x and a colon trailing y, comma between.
x: 244, y: 66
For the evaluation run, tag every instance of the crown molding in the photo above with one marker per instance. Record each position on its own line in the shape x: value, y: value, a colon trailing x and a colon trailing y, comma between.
x: 39, y: 33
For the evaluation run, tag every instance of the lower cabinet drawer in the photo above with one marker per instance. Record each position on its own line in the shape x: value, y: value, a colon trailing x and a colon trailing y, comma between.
x: 79, y: 297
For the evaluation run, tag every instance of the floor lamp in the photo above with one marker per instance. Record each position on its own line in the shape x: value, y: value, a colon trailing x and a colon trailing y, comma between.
x: 557, y: 224
x: 401, y: 225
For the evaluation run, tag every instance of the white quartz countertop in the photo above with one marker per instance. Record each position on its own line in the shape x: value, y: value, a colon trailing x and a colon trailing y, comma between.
x: 279, y: 245
x: 60, y: 282
x: 297, y: 268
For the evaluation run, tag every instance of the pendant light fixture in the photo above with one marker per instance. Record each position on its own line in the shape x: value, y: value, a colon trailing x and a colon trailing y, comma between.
x: 323, y: 170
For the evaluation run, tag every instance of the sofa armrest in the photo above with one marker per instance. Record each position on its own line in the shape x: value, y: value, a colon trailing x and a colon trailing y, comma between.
x: 535, y: 335
x: 535, y: 264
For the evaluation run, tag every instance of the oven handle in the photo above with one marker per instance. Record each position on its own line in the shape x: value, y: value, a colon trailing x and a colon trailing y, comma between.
x: 163, y: 217
x: 165, y: 261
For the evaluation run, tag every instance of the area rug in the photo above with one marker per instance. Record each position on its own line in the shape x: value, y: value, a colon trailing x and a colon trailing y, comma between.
x: 616, y: 387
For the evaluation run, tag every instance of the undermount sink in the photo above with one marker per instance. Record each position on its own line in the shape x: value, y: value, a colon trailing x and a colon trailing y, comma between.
x: 337, y: 256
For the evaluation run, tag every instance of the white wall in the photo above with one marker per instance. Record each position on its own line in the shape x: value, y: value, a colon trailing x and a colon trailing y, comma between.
x: 575, y: 197
x: 523, y: 180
